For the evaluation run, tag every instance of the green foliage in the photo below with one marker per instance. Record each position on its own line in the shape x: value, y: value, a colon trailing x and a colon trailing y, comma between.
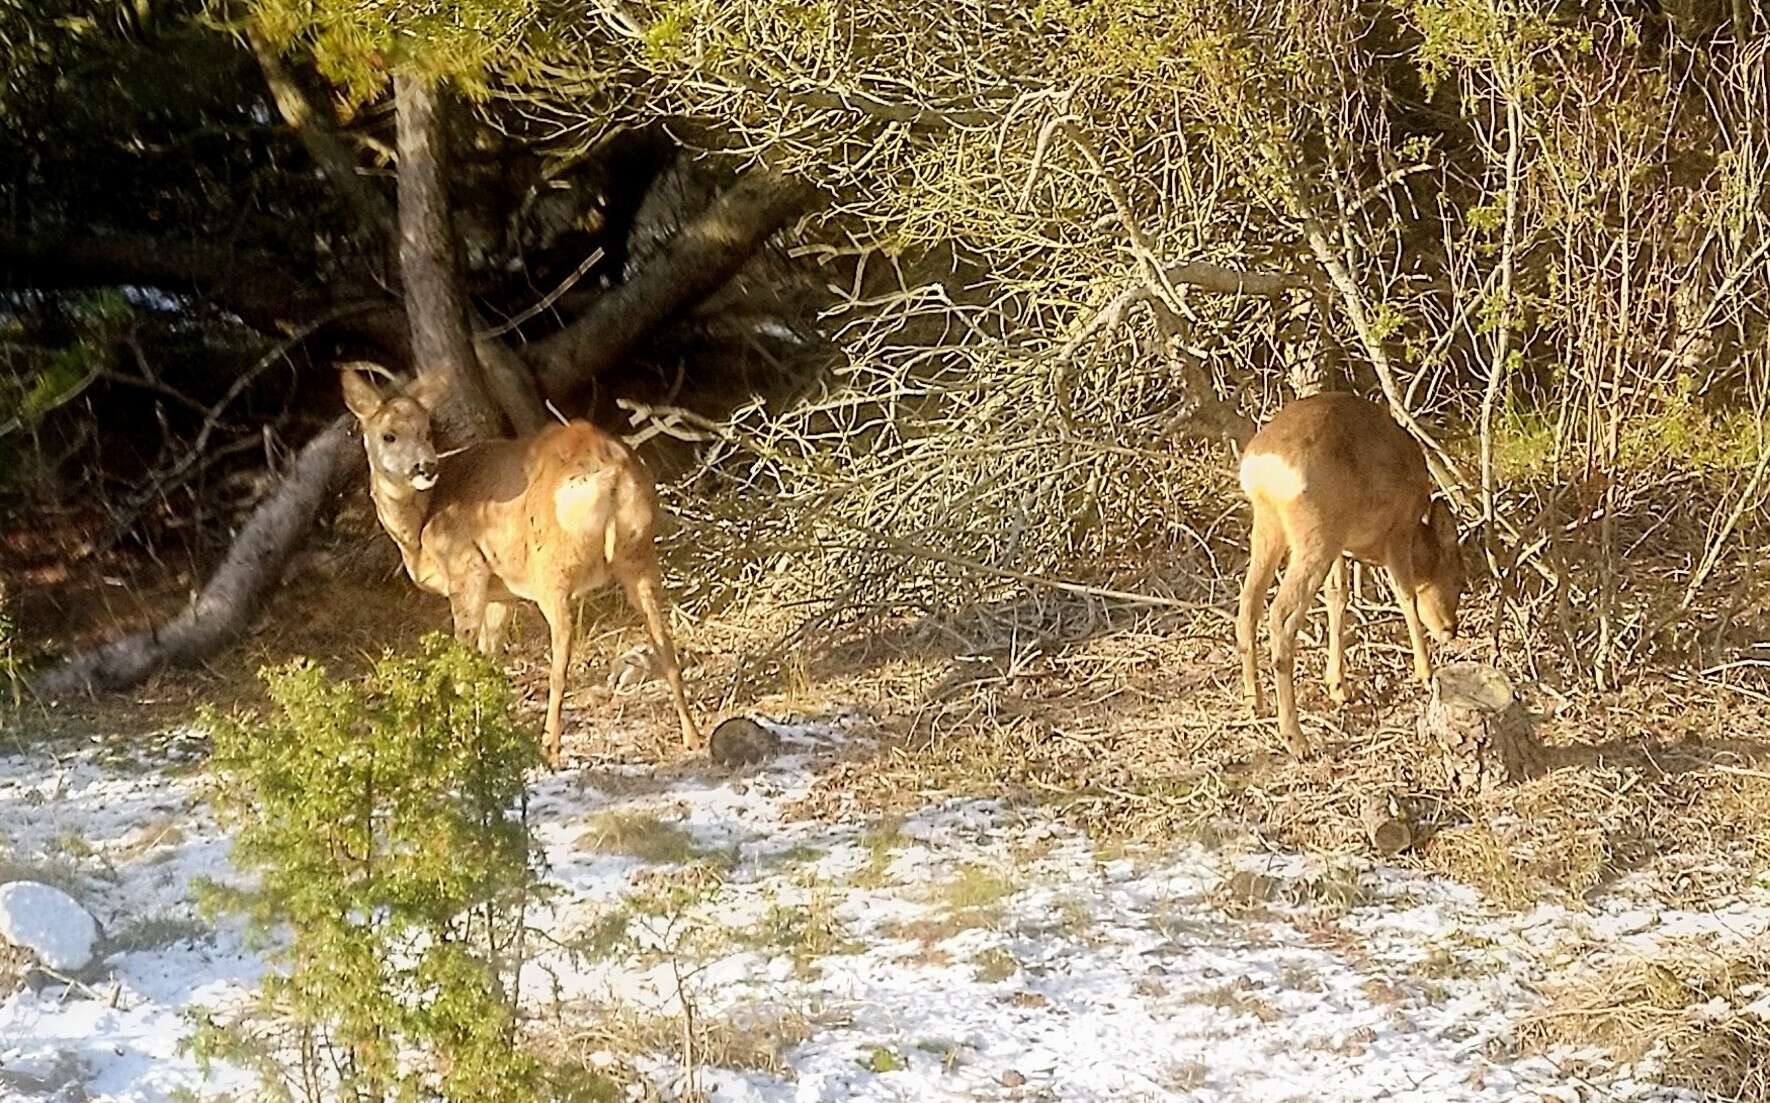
x: 382, y: 819
x: 358, y: 43
x: 1674, y: 429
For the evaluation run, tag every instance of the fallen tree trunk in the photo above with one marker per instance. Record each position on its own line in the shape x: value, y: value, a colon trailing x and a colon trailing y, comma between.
x: 696, y: 262
x: 237, y: 590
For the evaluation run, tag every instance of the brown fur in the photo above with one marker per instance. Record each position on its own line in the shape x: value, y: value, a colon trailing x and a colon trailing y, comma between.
x: 545, y: 518
x: 1332, y: 475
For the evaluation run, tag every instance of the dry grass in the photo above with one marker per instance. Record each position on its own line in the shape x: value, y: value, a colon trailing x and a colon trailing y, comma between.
x: 754, y: 1037
x: 1131, y: 727
x: 641, y: 835
x: 1681, y: 1008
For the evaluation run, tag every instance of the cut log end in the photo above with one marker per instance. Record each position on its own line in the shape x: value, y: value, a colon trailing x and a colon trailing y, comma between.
x: 1475, y: 718
x: 1386, y: 827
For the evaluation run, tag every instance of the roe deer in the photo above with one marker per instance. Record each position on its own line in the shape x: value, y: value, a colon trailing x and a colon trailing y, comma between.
x: 1331, y: 475
x: 545, y: 518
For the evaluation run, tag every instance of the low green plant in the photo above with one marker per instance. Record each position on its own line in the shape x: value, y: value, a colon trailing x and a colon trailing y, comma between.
x: 384, y: 820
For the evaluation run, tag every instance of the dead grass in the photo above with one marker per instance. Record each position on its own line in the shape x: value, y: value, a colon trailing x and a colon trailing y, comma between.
x: 974, y: 887
x: 805, y: 932
x: 1132, y: 729
x: 753, y: 1037
x: 1681, y: 1008
x: 156, y: 932
x: 881, y: 841
x: 641, y: 835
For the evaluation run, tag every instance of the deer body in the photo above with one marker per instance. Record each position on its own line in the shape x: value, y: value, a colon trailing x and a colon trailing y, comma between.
x: 1332, y: 475
x: 545, y: 518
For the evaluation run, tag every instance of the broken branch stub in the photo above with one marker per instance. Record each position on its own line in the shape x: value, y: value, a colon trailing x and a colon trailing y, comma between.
x: 1476, y: 720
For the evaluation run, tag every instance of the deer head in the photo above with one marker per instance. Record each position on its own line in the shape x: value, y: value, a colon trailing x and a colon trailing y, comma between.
x: 396, y: 429
x: 1438, y: 564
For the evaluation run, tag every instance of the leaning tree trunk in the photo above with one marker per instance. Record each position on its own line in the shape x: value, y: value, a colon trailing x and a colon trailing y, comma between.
x: 237, y: 590
x: 697, y: 262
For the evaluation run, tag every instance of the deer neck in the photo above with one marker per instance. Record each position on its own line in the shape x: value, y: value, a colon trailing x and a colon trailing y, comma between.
x: 402, y: 512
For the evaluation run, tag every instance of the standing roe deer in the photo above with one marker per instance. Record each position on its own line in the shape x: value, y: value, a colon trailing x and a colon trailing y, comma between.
x: 545, y: 518
x: 1333, y: 474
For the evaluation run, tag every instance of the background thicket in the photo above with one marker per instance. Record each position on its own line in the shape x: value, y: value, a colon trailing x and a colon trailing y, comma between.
x: 1007, y: 276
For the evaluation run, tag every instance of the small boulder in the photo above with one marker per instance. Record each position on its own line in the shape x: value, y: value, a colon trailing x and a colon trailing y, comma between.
x: 740, y: 741
x: 49, y: 923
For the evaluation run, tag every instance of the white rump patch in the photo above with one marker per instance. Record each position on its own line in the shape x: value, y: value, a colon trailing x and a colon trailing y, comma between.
x: 1268, y: 476
x: 585, y: 506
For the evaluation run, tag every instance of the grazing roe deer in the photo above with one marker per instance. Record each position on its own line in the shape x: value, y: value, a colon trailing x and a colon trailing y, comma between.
x: 1329, y: 475
x: 544, y: 518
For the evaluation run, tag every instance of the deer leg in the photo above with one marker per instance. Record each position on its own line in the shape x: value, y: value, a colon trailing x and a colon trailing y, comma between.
x: 1401, y: 576
x: 558, y: 611
x: 1337, y: 594
x: 644, y: 589
x: 1265, y: 549
x: 491, y: 627
x: 1302, y: 581
x: 467, y: 600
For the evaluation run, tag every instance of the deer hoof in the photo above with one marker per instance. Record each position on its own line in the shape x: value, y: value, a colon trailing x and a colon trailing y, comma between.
x: 1340, y: 694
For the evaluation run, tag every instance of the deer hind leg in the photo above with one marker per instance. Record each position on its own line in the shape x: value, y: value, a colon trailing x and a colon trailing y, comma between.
x: 1309, y: 566
x: 1400, y: 563
x: 1337, y: 594
x: 644, y: 590
x: 1265, y: 549
x: 557, y: 610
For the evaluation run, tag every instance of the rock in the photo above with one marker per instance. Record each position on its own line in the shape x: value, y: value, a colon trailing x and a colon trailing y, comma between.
x: 49, y: 923
x: 740, y: 740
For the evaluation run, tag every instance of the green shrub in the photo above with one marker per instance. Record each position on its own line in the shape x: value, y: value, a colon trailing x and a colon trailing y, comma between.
x: 384, y: 821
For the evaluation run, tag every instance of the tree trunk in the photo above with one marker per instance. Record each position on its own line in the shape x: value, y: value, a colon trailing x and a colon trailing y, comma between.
x: 695, y: 263
x: 435, y: 304
x: 225, y: 608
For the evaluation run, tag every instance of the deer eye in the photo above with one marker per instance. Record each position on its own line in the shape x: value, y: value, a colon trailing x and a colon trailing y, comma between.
x: 387, y: 437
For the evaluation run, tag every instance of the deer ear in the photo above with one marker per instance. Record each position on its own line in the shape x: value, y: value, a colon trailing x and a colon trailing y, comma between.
x: 429, y: 390
x: 361, y: 396
x: 1443, y: 524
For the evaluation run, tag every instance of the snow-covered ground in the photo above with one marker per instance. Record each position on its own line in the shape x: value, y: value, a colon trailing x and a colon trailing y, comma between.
x: 968, y: 951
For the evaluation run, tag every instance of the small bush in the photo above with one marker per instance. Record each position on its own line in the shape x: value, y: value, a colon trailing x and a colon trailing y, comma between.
x: 383, y: 819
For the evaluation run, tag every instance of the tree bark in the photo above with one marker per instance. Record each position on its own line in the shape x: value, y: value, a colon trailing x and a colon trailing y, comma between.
x: 435, y: 304
x: 696, y: 262
x: 233, y: 596
x: 1485, y: 734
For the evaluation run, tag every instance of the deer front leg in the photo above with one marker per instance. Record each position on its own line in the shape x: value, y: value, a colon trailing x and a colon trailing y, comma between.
x: 644, y: 591
x: 469, y: 582
x: 558, y: 612
x: 1401, y: 576
x: 1336, y: 593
